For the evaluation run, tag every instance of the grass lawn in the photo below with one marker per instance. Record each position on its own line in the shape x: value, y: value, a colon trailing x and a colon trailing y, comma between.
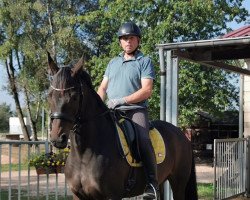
x: 205, y: 191
x: 14, y: 167
x: 14, y: 195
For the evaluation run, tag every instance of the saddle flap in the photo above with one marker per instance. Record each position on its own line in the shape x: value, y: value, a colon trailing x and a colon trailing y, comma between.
x: 157, y: 143
x: 129, y: 132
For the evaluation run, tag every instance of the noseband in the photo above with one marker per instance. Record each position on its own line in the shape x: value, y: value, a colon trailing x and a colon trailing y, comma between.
x: 58, y: 115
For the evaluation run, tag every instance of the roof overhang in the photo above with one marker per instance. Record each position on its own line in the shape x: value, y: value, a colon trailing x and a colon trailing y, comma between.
x: 213, y: 53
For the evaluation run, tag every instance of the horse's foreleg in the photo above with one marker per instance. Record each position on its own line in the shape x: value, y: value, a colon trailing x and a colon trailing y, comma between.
x: 116, y: 198
x: 75, y: 197
x: 78, y: 195
x: 161, y: 191
x: 178, y: 187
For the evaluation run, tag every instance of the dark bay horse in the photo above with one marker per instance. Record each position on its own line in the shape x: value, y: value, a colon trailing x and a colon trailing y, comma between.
x: 95, y: 168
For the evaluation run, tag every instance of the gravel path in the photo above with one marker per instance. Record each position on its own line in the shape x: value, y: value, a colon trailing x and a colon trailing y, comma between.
x: 204, y: 173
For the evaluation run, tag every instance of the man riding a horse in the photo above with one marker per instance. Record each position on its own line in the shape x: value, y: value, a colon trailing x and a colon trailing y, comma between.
x: 128, y: 83
x: 96, y: 168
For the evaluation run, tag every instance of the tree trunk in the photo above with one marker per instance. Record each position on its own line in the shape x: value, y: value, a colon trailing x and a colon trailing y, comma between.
x: 51, y: 26
x: 32, y: 122
x: 27, y: 101
x: 11, y: 76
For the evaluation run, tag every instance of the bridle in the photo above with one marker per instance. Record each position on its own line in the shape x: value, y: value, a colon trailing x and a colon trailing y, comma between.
x: 60, y: 115
x: 77, y: 120
x: 62, y: 90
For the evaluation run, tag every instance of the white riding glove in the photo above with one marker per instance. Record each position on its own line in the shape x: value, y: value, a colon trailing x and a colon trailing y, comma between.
x: 112, y: 103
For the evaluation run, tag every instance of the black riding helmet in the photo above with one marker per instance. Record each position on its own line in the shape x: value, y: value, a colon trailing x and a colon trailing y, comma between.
x: 129, y: 28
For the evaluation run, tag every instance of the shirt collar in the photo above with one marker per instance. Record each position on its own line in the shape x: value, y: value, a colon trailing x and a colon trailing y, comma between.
x: 138, y: 55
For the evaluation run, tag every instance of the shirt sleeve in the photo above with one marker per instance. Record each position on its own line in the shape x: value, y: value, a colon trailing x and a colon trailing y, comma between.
x: 107, y: 71
x: 147, y: 69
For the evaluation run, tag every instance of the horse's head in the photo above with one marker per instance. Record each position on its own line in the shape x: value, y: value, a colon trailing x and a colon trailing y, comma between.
x: 65, y: 99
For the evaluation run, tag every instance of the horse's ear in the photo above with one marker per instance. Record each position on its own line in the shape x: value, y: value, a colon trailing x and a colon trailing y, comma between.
x: 78, y: 66
x: 53, y: 68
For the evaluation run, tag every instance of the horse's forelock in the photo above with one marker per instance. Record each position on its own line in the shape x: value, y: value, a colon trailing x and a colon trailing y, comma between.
x: 63, y: 78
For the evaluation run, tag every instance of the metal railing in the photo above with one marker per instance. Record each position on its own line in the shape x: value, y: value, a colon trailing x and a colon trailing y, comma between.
x: 18, y: 180
x: 229, y: 167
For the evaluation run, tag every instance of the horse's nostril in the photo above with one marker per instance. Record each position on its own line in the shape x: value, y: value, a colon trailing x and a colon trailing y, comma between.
x: 63, y: 137
x: 60, y: 142
x: 53, y: 142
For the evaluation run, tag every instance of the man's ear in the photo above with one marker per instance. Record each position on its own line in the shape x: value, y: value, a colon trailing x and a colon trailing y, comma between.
x: 139, y: 41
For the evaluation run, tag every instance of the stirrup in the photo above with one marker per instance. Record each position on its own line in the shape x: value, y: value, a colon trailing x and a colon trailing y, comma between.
x: 150, y: 192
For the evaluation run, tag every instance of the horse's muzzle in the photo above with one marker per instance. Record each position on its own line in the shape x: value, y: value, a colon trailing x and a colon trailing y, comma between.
x: 61, y: 142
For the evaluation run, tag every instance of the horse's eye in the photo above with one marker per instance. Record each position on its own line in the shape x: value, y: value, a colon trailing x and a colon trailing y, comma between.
x: 74, y: 97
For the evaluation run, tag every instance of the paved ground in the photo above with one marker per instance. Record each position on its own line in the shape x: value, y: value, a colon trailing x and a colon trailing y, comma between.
x: 204, y: 173
x: 54, y: 182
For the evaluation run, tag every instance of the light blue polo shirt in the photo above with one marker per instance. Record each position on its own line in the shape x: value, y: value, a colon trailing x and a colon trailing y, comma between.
x: 124, y: 76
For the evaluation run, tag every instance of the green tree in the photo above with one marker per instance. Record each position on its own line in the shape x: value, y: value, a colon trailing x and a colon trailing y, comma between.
x: 12, y: 32
x: 38, y: 26
x: 171, y: 21
x: 5, y: 114
x: 68, y: 29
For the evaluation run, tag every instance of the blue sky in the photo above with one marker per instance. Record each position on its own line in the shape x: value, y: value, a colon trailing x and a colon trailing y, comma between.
x: 234, y: 25
x: 4, y: 97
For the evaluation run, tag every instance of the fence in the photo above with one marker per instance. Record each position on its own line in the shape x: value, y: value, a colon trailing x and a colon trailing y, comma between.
x: 19, y: 181
x: 229, y: 167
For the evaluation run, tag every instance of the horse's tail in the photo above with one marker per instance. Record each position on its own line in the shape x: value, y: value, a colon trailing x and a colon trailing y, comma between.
x: 191, y: 188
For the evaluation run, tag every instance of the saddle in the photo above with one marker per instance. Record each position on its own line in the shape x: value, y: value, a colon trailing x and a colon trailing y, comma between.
x: 127, y: 135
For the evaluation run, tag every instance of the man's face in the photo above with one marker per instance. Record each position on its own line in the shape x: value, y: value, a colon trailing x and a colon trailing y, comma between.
x: 129, y: 43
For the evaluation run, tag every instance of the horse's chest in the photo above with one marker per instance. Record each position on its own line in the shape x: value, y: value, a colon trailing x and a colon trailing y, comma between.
x: 90, y: 185
x: 88, y: 175
x: 85, y: 183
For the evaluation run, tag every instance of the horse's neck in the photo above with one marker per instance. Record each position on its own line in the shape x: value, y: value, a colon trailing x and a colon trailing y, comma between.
x: 93, y: 108
x: 97, y: 126
x: 97, y: 135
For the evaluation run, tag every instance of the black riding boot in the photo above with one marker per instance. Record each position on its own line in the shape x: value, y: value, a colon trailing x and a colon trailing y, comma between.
x: 150, y: 168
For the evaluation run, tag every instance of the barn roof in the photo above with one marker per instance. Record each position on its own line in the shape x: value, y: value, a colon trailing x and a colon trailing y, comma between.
x: 241, y: 32
x: 232, y: 46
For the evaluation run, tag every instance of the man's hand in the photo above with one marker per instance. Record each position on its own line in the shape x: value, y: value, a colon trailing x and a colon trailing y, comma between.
x: 112, y: 103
